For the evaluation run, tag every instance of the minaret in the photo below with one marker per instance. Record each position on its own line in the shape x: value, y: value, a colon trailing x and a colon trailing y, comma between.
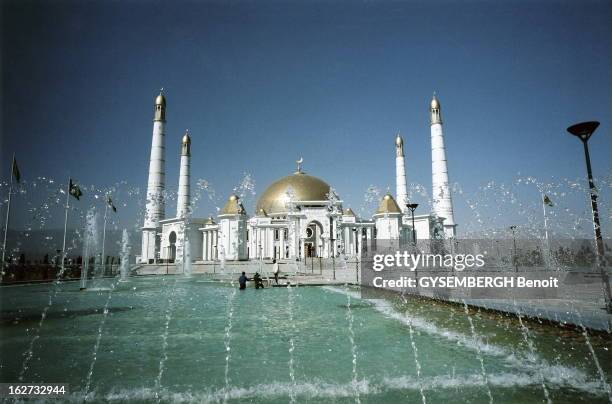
x: 441, y: 196
x: 155, y: 208
x: 182, y: 203
x: 401, y: 193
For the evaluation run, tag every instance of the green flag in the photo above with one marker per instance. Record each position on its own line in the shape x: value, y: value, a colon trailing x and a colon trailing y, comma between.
x: 75, y: 190
x: 15, y: 170
x: 547, y: 201
x: 109, y: 201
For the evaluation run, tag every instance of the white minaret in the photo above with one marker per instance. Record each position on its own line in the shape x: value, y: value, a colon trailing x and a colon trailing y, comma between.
x: 401, y: 193
x: 155, y: 209
x: 182, y: 203
x: 441, y: 196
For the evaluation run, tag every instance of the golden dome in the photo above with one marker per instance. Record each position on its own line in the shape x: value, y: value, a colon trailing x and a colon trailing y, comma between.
x: 262, y: 213
x: 160, y: 100
x: 186, y: 145
x: 305, y: 188
x: 232, y: 207
x: 387, y: 205
x: 435, y: 104
x: 398, y: 141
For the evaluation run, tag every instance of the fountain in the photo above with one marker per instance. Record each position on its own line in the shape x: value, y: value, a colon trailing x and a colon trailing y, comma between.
x: 415, y: 352
x: 221, y: 250
x: 164, y: 346
x: 187, y: 266
x: 94, y: 355
x: 125, y: 255
x: 532, y: 353
x: 293, y: 227
x: 350, y: 318
x: 478, y: 353
x: 90, y: 244
x: 228, y: 339
x: 291, y: 364
x: 339, y: 347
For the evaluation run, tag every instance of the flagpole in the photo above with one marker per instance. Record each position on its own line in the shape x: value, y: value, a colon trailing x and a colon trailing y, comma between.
x: 8, y: 213
x: 546, y: 245
x: 104, y: 237
x: 65, y: 228
x: 545, y: 222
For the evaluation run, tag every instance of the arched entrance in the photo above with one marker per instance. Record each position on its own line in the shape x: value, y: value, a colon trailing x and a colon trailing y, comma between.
x: 172, y: 247
x: 313, y: 243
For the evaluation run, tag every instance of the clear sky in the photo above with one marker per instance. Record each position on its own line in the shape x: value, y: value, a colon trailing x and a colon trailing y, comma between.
x: 261, y: 83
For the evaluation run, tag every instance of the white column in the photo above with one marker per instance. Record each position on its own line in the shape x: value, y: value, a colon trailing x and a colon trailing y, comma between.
x: 257, y: 241
x: 441, y: 195
x: 347, y: 241
x: 207, y: 249
x: 182, y: 202
x: 155, y: 206
x: 211, y: 243
x: 155, y: 201
x: 401, y: 190
x: 204, y: 246
x: 262, y: 241
x: 216, y: 242
x: 266, y: 243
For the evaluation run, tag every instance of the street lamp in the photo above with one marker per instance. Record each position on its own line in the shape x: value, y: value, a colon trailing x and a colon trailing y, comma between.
x: 583, y: 131
x: 412, y: 207
x: 332, y: 239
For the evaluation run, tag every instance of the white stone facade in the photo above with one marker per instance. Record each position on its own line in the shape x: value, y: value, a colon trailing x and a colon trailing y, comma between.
x: 297, y: 217
x: 172, y: 240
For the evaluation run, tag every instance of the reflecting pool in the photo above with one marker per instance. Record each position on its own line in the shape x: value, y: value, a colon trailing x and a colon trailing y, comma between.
x: 174, y: 339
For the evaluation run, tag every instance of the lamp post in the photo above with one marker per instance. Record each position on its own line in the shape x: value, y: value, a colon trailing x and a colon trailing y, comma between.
x: 583, y: 131
x: 333, y: 256
x: 412, y: 207
x: 513, y: 228
x: 331, y: 240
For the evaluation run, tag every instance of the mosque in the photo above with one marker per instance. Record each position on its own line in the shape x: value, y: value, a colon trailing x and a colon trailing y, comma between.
x: 297, y: 216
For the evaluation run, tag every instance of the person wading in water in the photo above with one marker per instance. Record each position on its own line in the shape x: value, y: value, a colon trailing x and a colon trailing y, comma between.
x: 242, y: 281
x: 258, y: 281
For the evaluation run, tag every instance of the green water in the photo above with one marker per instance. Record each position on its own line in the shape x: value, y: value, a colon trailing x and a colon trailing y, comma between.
x: 344, y: 349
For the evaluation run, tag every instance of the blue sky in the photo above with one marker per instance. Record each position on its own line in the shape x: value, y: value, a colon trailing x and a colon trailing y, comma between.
x: 262, y: 83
